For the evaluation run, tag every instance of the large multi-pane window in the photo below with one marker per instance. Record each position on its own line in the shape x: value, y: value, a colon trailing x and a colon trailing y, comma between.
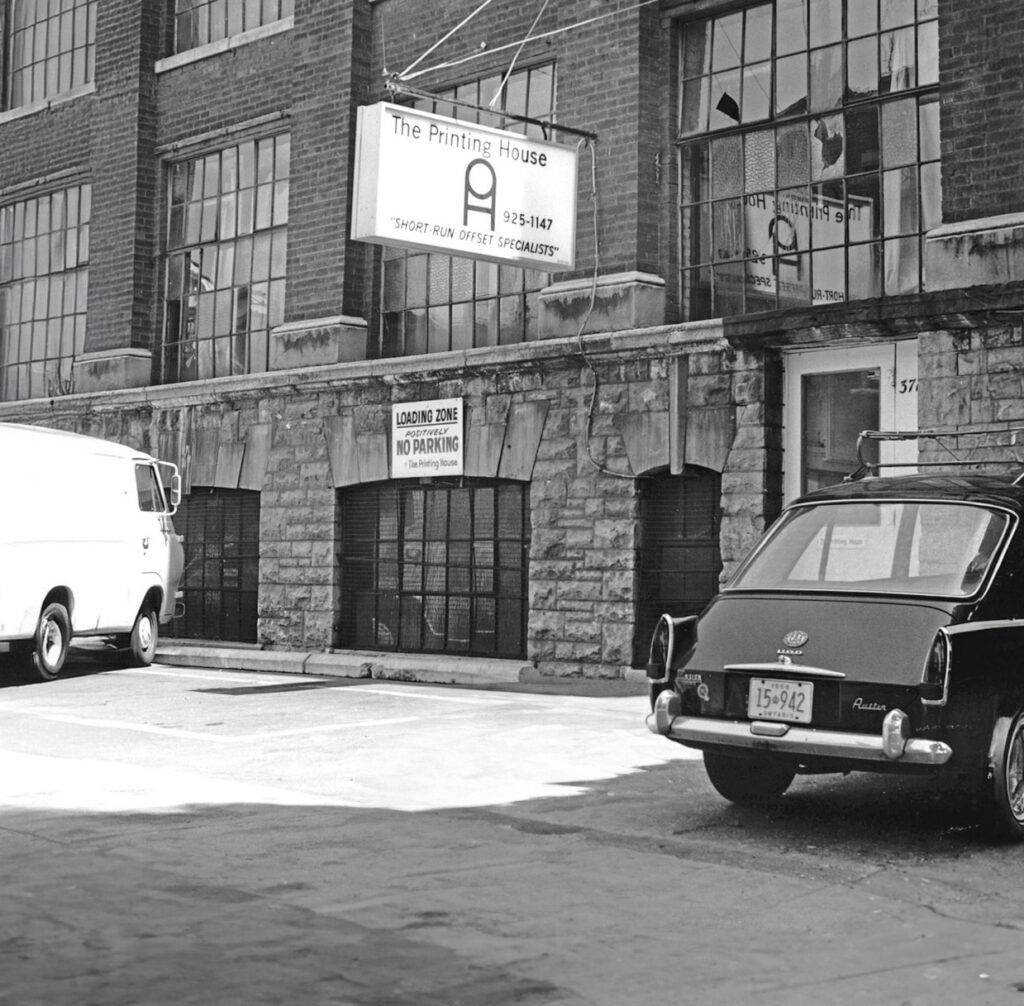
x: 49, y: 48
x: 432, y: 302
x: 440, y: 567
x: 227, y: 243
x: 44, y: 286
x: 197, y: 22
x: 808, y: 153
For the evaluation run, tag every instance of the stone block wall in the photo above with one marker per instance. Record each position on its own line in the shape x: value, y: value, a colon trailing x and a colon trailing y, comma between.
x: 971, y: 390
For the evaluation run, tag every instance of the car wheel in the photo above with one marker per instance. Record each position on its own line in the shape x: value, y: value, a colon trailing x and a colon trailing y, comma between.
x: 747, y: 780
x: 1006, y: 807
x: 142, y: 641
x: 52, y: 639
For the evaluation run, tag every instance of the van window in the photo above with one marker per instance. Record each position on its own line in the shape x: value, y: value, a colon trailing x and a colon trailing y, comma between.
x: 151, y: 497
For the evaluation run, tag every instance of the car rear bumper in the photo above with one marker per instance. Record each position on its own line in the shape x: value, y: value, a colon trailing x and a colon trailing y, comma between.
x: 788, y: 739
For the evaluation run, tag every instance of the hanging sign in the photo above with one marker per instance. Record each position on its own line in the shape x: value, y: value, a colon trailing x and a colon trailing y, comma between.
x: 426, y: 439
x: 429, y: 182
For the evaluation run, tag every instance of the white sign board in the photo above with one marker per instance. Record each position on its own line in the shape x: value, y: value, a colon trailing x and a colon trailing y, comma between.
x: 426, y: 439
x: 430, y: 182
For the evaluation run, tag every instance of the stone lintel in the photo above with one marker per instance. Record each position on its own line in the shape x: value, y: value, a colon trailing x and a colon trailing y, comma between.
x: 623, y: 301
x: 113, y: 370
x: 317, y: 342
x: 981, y: 252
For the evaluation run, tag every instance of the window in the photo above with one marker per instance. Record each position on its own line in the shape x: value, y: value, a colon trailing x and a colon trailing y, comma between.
x: 197, y: 22
x: 227, y: 244
x: 808, y: 153
x: 49, y: 47
x: 433, y: 303
x: 678, y: 556
x: 151, y: 497
x: 220, y: 582
x: 44, y: 286
x: 939, y: 549
x: 439, y: 567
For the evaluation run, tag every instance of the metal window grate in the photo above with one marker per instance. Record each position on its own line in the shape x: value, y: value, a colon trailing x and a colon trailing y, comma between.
x: 679, y: 559
x: 221, y: 529
x: 439, y: 567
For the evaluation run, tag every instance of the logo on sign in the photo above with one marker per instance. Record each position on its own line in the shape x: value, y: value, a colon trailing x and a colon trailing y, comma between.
x: 795, y: 638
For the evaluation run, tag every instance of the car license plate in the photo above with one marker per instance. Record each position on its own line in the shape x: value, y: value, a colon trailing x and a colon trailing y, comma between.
x: 772, y: 699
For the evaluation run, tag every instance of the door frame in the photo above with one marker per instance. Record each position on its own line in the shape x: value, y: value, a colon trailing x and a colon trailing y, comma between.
x: 897, y: 403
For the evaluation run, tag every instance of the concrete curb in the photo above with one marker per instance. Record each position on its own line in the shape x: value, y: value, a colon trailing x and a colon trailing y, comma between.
x: 369, y: 664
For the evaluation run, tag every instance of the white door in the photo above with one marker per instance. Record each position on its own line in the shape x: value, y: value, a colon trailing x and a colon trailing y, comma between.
x: 830, y: 396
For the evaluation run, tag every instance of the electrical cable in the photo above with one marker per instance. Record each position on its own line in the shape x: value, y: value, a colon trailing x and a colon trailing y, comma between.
x: 511, y: 65
x: 587, y: 436
x: 511, y: 45
x: 442, y: 40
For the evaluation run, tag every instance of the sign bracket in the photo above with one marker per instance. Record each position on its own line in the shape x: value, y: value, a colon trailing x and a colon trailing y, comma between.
x: 395, y: 87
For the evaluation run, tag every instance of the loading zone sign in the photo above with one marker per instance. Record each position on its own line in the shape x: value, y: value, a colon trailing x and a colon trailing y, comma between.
x: 426, y: 439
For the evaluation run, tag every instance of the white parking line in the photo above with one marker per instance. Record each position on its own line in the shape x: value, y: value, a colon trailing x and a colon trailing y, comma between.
x: 142, y: 728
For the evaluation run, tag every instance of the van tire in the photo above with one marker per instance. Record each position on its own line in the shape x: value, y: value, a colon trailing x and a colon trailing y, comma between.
x: 52, y: 639
x: 142, y: 641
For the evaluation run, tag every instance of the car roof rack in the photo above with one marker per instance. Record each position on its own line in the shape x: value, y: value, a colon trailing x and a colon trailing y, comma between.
x: 867, y: 467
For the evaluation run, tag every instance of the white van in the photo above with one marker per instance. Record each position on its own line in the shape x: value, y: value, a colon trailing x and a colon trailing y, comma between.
x: 87, y: 547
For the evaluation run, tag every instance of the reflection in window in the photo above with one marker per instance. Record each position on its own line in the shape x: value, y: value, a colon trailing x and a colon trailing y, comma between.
x: 227, y: 246
x: 49, y: 48
x: 808, y: 176
x: 433, y: 302
x: 44, y: 287
x: 197, y: 22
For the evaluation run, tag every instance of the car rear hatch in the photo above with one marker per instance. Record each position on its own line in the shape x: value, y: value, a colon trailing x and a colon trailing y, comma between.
x: 837, y: 662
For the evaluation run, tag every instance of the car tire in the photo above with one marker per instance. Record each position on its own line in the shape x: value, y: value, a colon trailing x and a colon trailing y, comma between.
x: 1006, y: 780
x: 52, y: 639
x: 143, y: 638
x: 748, y: 781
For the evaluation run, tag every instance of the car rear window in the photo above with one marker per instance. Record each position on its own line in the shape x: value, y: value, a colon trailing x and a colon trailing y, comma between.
x: 942, y: 549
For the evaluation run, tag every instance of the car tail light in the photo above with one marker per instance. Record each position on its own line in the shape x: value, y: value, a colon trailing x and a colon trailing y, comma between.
x: 935, y: 681
x: 660, y: 658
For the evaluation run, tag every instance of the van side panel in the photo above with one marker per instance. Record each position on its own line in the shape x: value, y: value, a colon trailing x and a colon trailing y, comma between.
x: 71, y: 520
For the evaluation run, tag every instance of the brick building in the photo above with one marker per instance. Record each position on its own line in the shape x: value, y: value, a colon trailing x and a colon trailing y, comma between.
x: 808, y: 222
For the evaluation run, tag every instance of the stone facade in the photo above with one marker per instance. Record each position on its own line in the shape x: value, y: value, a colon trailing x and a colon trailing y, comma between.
x: 611, y: 388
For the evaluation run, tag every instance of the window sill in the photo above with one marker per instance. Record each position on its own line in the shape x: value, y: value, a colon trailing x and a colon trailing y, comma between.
x: 223, y: 45
x: 22, y: 111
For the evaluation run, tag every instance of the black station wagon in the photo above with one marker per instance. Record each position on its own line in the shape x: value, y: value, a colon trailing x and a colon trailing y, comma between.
x: 877, y: 626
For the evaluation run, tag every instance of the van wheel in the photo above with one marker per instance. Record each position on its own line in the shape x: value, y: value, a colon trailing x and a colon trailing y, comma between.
x: 142, y: 641
x: 53, y: 637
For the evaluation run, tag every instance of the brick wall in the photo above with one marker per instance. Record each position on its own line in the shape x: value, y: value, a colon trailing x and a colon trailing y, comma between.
x: 981, y: 66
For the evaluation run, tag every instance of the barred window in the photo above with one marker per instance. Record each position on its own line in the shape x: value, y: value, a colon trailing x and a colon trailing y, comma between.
x: 197, y: 22
x: 50, y: 48
x: 808, y: 153
x: 226, y: 249
x: 44, y: 286
x: 432, y: 302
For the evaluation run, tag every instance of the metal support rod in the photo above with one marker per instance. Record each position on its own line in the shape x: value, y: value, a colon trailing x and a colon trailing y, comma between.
x: 396, y: 87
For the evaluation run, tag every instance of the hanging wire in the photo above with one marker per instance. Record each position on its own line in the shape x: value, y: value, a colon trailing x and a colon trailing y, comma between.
x: 512, y: 45
x: 511, y: 66
x: 442, y: 40
x: 587, y: 433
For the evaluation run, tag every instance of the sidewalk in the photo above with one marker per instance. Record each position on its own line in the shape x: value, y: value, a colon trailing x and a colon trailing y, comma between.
x: 475, y: 672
